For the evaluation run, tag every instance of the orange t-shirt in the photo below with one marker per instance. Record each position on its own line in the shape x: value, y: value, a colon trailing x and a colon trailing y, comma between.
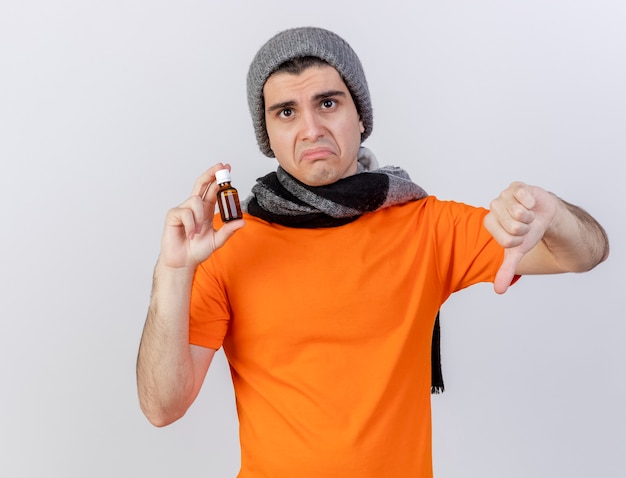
x: 328, y: 335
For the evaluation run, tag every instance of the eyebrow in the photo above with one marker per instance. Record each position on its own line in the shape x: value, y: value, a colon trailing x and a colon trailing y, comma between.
x: 318, y: 97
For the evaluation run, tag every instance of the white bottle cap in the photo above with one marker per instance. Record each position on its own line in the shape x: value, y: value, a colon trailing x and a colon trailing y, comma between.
x: 222, y: 176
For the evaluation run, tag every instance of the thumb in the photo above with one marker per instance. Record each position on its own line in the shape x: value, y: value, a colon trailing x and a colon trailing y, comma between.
x: 226, y: 231
x: 506, y: 273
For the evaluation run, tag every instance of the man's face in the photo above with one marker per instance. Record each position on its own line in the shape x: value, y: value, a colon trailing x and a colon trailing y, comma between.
x: 313, y: 125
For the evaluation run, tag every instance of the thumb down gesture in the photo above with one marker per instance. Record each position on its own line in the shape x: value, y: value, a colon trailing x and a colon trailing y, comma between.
x: 518, y: 220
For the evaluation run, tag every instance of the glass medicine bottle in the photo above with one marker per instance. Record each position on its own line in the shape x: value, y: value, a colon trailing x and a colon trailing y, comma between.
x: 227, y: 197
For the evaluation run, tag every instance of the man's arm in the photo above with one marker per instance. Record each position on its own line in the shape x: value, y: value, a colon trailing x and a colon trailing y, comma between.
x: 543, y: 234
x: 170, y: 371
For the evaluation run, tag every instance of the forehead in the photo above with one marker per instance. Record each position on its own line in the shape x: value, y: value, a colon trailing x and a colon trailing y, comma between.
x: 313, y: 80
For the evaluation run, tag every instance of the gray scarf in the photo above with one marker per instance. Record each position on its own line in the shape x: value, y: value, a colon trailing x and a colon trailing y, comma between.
x: 281, y: 198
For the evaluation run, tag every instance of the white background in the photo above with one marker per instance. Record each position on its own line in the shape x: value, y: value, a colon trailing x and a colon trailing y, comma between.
x: 109, y: 111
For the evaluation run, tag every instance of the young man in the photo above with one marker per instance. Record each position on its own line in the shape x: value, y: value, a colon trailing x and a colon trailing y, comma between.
x: 325, y: 297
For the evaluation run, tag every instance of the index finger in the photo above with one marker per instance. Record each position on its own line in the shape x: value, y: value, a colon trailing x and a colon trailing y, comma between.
x: 206, y: 179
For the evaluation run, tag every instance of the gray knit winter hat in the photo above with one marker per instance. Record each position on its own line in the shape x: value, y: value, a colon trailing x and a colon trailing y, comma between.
x: 300, y: 42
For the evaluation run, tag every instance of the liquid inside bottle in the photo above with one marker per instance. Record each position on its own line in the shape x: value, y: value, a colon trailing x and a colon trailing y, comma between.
x: 227, y: 197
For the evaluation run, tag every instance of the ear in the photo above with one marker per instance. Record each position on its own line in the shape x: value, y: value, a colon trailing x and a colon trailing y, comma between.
x: 361, y: 127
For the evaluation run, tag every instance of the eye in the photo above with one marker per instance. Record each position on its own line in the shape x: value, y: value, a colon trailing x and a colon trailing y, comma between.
x: 328, y: 104
x: 285, y: 113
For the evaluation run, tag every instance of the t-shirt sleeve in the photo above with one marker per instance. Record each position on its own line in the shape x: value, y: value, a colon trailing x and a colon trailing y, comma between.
x: 468, y: 253
x: 209, y: 311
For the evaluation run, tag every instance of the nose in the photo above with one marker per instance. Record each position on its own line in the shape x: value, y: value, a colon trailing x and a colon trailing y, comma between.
x: 312, y: 127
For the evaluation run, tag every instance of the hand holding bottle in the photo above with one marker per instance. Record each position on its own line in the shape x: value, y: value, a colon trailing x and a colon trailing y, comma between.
x: 189, y: 236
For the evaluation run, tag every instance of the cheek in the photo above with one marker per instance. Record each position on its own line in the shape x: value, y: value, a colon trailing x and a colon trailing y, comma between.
x: 277, y: 131
x: 274, y: 136
x: 281, y: 142
x: 355, y: 133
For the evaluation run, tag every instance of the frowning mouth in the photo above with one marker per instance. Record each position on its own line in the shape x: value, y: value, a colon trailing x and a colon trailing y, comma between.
x: 316, y: 153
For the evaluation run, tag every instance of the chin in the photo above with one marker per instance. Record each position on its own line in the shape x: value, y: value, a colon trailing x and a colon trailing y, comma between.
x: 321, y: 175
x: 320, y: 178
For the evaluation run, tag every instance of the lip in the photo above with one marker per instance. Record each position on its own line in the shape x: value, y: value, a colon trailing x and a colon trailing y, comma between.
x: 316, y: 153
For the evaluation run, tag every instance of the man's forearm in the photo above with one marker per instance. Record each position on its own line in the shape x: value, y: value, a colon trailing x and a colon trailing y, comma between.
x: 578, y: 242
x: 165, y: 376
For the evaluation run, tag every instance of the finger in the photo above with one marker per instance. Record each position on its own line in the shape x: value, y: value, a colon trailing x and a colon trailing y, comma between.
x: 518, y: 217
x: 523, y: 195
x: 206, y: 191
x: 507, y: 271
x: 210, y: 193
x: 508, y: 219
x: 182, y: 217
x: 191, y: 215
x: 226, y: 231
x: 206, y: 179
x: 196, y: 205
x: 505, y: 231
